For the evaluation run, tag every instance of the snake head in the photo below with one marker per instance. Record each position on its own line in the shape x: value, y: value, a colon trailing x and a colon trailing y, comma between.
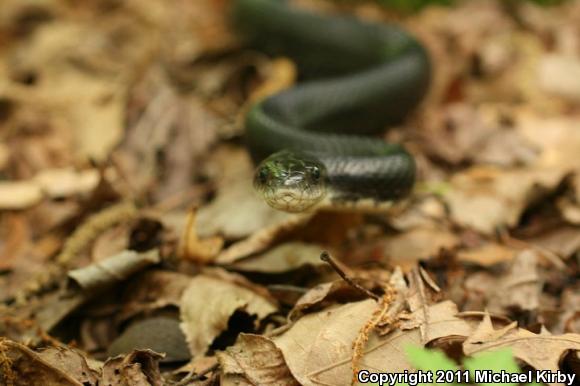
x: 290, y: 181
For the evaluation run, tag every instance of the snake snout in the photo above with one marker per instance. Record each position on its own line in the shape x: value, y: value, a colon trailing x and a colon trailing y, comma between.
x: 290, y: 182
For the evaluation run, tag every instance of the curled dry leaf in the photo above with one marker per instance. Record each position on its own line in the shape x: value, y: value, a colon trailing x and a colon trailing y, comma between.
x: 114, y: 269
x: 322, y: 294
x: 258, y: 360
x: 208, y: 303
x: 541, y: 351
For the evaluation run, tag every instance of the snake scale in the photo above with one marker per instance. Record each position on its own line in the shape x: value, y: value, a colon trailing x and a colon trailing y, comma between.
x: 313, y: 141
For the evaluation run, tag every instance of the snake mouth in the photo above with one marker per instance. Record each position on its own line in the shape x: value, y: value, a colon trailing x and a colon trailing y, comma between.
x: 292, y: 201
x: 291, y: 182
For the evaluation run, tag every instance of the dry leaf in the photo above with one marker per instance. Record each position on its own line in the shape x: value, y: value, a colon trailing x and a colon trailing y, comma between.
x: 207, y: 305
x: 257, y: 360
x: 520, y: 287
x: 282, y: 258
x: 19, y: 195
x: 114, y: 269
x: 438, y: 321
x: 418, y: 243
x: 318, y: 347
x: 541, y: 351
x: 560, y: 75
x: 72, y: 363
x: 488, y: 198
x: 152, y: 290
x: 22, y: 366
x: 487, y: 254
x: 139, y: 368
x: 235, y: 190
x: 337, y: 291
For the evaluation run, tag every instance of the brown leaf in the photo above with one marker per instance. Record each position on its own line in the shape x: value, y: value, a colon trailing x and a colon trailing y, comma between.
x: 487, y: 254
x: 520, y: 286
x: 282, y: 258
x: 72, y: 363
x: 112, y: 270
x: 22, y: 366
x: 336, y: 291
x: 541, y: 351
x: 418, y: 243
x: 257, y: 360
x: 560, y: 75
x: 152, y: 290
x: 139, y: 368
x: 318, y: 347
x: 487, y: 198
x: 235, y: 187
x: 208, y: 303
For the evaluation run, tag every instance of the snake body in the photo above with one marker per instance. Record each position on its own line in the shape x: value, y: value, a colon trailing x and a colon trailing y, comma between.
x: 312, y: 139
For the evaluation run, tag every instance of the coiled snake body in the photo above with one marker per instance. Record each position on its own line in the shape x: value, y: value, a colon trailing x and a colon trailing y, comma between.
x: 359, y: 78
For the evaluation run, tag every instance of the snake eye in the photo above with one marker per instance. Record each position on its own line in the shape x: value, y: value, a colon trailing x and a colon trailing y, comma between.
x: 263, y: 175
x: 316, y: 173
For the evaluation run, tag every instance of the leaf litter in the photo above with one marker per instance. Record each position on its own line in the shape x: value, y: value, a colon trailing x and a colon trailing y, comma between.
x: 135, y: 252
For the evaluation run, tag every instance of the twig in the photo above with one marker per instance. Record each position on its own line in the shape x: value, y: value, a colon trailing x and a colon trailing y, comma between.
x: 325, y: 256
x: 192, y: 378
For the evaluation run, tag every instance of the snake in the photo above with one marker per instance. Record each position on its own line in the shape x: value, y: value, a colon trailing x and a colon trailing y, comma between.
x: 316, y: 143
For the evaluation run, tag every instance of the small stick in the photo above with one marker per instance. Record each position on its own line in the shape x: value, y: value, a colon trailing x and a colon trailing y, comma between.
x: 325, y: 256
x: 192, y: 377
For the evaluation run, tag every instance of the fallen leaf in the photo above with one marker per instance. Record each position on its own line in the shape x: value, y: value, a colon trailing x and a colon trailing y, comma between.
x: 520, y: 287
x: 22, y: 366
x: 258, y: 360
x: 112, y: 270
x: 337, y: 291
x: 487, y: 255
x: 282, y: 258
x: 208, y: 303
x: 439, y: 321
x: 151, y: 291
x: 486, y: 198
x: 139, y: 368
x: 560, y: 75
x: 541, y: 351
x: 72, y: 363
x: 19, y: 195
x: 417, y: 244
x: 235, y: 187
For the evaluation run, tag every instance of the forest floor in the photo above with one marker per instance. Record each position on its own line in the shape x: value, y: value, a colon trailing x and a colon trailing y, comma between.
x: 133, y: 250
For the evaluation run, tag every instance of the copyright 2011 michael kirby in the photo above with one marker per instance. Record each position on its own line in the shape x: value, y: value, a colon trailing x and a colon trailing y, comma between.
x: 464, y: 376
